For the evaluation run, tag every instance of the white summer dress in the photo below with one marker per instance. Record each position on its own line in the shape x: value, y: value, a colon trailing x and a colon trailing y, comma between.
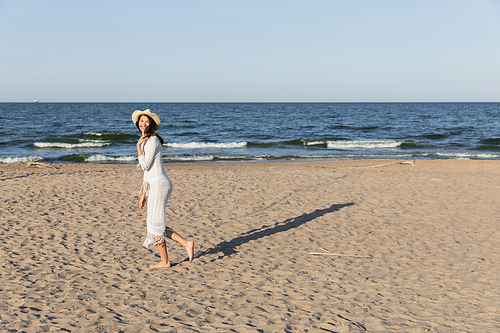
x: 158, y: 188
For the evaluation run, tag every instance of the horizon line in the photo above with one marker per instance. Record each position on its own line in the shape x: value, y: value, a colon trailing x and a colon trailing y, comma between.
x: 243, y: 102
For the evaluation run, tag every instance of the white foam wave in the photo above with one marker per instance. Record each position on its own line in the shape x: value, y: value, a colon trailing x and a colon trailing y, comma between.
x: 206, y: 145
x: 85, y: 144
x: 100, y: 134
x: 104, y: 158
x: 466, y: 156
x: 313, y: 143
x: 241, y: 157
x: 383, y: 156
x: 188, y: 158
x: 488, y: 155
x: 362, y: 144
x: 93, y: 133
x: 262, y: 157
x: 19, y: 159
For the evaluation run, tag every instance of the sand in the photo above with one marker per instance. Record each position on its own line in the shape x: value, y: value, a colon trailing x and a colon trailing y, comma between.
x: 416, y: 248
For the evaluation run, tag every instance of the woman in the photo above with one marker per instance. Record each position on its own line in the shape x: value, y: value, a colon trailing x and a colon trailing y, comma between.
x: 156, y: 187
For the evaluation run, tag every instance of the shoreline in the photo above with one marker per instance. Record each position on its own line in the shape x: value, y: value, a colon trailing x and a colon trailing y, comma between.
x: 415, y: 247
x: 423, y: 164
x: 130, y: 160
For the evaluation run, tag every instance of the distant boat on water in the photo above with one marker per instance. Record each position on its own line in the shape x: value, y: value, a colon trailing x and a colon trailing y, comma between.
x: 36, y: 101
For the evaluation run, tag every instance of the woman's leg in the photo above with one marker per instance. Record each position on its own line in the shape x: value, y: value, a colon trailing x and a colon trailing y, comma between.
x: 188, y: 245
x: 159, y: 193
x: 162, y: 249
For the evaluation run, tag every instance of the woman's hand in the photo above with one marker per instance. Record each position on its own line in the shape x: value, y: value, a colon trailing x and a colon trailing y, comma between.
x: 139, y: 143
x: 141, y: 140
x: 143, y: 202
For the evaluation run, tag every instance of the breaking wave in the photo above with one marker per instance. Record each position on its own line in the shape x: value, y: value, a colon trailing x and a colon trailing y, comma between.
x: 19, y: 159
x: 65, y: 145
x: 466, y: 156
x: 206, y: 145
x: 104, y: 158
x: 363, y: 144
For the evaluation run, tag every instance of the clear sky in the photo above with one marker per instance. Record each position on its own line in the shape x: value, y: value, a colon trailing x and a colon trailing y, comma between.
x: 250, y: 51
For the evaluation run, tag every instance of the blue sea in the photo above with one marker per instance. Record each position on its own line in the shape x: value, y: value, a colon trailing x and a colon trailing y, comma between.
x: 223, y: 132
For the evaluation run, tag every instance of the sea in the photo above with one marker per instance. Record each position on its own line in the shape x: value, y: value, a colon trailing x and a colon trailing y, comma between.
x: 227, y: 132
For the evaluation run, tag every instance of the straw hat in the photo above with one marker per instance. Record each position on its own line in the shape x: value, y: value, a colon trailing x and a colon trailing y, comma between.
x: 137, y: 114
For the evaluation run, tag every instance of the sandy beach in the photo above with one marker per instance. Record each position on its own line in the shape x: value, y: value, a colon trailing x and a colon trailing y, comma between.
x: 407, y: 248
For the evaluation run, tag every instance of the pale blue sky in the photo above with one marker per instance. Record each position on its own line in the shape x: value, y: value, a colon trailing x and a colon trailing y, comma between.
x: 250, y: 51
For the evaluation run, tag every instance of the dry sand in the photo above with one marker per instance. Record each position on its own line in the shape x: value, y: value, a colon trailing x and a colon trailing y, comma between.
x: 419, y: 246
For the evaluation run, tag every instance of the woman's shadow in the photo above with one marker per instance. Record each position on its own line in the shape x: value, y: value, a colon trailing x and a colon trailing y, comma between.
x: 228, y: 248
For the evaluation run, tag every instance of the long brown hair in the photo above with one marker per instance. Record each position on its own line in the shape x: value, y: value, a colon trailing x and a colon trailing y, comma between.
x: 149, y: 132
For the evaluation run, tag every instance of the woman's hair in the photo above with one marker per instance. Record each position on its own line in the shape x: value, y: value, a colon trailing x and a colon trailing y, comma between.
x: 149, y: 132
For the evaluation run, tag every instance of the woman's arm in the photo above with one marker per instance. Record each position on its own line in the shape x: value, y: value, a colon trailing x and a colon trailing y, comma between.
x: 146, y: 159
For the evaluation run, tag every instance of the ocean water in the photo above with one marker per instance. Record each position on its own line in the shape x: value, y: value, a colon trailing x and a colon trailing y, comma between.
x: 104, y: 132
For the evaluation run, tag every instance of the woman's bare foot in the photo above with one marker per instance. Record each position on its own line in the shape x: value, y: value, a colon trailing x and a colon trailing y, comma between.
x: 160, y: 265
x: 190, y: 250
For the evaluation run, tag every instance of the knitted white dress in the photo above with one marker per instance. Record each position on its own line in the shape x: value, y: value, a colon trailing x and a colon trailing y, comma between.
x: 158, y: 188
